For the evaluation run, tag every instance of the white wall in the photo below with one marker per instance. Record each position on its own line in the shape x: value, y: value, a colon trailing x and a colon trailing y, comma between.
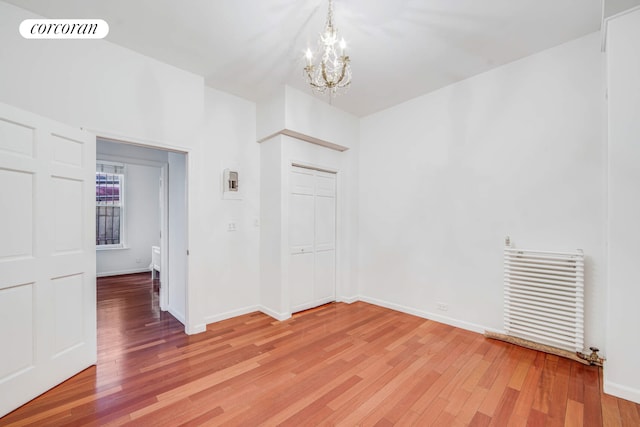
x: 122, y: 151
x: 272, y: 299
x: 308, y: 116
x: 98, y: 85
x: 621, y: 373
x: 445, y: 177
x: 271, y: 115
x: 229, y: 266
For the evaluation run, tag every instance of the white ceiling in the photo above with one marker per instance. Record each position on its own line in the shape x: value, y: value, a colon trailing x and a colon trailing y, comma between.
x: 399, y: 49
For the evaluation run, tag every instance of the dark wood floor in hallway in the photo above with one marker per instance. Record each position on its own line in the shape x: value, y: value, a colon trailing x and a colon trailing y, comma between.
x: 339, y: 364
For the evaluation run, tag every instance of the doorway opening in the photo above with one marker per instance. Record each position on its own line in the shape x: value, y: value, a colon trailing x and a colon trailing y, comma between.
x: 149, y: 224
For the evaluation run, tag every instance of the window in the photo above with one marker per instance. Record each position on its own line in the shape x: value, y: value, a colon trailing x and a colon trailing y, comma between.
x: 109, y: 205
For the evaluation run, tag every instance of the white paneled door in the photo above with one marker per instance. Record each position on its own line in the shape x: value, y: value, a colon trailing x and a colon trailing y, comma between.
x: 312, y: 238
x: 47, y: 255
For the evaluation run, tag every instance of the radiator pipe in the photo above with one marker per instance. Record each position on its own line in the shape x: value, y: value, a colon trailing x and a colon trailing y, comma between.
x: 592, y: 358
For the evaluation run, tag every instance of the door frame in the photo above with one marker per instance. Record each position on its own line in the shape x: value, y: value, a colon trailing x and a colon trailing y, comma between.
x: 164, y: 243
x: 164, y: 239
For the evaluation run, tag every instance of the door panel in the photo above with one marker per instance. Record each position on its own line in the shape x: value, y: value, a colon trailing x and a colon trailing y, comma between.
x: 67, y: 151
x: 301, y: 280
x: 47, y: 255
x: 325, y: 219
x: 16, y: 138
x: 69, y: 316
x: 301, y: 181
x: 67, y: 214
x: 15, y: 304
x: 325, y: 273
x: 301, y: 226
x: 325, y: 184
x: 16, y: 227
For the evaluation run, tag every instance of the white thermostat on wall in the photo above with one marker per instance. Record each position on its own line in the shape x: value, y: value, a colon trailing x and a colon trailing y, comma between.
x: 230, y: 184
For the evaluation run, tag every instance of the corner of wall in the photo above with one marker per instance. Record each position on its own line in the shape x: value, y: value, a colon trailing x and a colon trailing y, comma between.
x: 195, y: 329
x: 349, y: 299
x: 275, y: 314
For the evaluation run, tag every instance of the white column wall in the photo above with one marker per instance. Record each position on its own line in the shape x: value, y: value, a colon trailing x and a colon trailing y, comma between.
x: 621, y: 372
x: 229, y: 265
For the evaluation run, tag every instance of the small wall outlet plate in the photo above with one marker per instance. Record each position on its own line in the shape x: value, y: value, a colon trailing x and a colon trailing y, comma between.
x: 442, y: 306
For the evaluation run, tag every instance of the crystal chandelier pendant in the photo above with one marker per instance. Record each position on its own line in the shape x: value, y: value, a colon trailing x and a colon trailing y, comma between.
x: 333, y: 72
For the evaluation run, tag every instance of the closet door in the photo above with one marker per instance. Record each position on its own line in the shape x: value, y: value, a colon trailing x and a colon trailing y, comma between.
x: 325, y: 238
x: 301, y: 237
x: 312, y: 225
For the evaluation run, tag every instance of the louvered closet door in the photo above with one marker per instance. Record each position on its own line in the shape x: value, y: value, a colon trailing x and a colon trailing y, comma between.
x: 312, y: 233
x: 47, y: 255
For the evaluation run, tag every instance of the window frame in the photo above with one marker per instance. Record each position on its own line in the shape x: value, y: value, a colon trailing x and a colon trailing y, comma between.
x: 100, y: 166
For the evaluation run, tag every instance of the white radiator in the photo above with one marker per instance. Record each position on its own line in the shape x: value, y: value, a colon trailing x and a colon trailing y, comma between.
x: 544, y: 297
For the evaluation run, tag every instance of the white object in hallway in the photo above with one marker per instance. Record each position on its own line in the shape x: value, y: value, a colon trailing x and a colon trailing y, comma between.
x: 155, y: 261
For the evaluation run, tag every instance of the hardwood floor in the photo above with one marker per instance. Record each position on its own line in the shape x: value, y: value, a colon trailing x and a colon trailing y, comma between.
x: 339, y: 364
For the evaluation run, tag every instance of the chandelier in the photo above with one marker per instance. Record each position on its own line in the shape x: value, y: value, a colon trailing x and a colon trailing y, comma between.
x: 333, y: 71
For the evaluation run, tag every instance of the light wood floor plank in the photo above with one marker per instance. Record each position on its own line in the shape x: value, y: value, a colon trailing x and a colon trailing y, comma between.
x: 575, y: 414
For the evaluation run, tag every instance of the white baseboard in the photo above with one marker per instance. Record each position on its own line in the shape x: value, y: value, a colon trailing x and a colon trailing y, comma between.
x: 620, y: 390
x: 230, y: 314
x: 195, y: 329
x: 274, y: 314
x: 426, y: 315
x: 121, y: 272
x: 348, y: 300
